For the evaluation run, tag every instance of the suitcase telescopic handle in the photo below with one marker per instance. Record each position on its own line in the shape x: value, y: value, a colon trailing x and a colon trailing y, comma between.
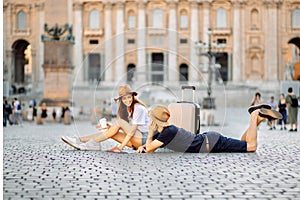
x: 188, y: 87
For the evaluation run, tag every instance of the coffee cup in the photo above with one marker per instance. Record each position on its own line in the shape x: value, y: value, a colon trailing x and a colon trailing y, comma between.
x: 103, y: 123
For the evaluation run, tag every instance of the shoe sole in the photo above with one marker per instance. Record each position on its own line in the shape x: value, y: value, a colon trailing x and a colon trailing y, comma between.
x: 252, y: 108
x: 269, y: 114
x: 69, y: 143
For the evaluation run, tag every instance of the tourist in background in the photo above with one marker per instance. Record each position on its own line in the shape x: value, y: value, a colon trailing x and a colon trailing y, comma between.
x: 29, y: 112
x: 273, y: 105
x: 53, y: 115
x: 256, y: 99
x: 283, y: 112
x: 44, y: 113
x: 17, y: 112
x: 7, y: 111
x: 292, y: 105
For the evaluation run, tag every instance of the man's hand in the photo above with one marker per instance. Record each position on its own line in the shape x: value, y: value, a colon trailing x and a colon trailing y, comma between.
x: 140, y: 150
x: 152, y: 127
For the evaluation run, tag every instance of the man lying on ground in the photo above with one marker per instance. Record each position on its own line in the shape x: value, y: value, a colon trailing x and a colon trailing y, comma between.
x: 178, y: 139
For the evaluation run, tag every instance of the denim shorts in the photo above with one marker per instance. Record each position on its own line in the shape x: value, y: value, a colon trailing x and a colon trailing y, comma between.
x: 219, y: 143
x: 144, y: 137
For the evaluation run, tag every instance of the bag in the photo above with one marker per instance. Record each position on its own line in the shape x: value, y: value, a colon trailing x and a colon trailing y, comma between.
x: 19, y: 107
x: 294, y: 102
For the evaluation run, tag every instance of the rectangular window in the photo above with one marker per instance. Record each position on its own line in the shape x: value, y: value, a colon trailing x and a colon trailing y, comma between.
x: 94, y: 72
x: 94, y: 42
x: 131, y: 21
x: 183, y: 41
x: 184, y: 21
x: 131, y: 41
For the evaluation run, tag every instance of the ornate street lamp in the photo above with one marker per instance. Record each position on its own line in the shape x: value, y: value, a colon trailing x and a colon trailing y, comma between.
x: 204, y: 49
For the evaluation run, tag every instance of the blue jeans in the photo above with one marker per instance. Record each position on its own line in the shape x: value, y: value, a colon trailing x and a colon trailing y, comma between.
x: 219, y: 143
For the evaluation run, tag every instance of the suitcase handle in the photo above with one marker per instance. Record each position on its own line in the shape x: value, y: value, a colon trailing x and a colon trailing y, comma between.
x: 191, y: 87
x: 188, y: 87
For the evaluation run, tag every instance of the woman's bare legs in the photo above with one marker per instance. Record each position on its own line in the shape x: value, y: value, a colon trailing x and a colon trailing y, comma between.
x: 114, y: 133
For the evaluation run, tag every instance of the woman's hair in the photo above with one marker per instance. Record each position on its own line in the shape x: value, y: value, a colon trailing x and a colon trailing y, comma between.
x: 123, y: 110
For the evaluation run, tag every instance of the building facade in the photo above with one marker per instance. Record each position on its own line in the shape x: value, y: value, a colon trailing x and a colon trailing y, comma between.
x: 155, y: 40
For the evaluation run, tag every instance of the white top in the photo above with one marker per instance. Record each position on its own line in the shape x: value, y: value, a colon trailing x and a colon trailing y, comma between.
x: 140, y: 117
x: 16, y: 103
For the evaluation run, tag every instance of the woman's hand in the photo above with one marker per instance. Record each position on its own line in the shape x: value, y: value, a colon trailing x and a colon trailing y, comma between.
x: 99, y: 127
x: 140, y: 150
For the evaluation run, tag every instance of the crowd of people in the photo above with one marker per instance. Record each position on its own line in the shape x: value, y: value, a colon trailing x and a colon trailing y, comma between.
x: 286, y: 105
x: 16, y: 112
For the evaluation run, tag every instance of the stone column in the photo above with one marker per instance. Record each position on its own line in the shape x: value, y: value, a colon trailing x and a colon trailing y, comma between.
x: 236, y: 60
x: 6, y: 51
x: 271, y: 42
x: 120, y: 38
x: 243, y: 38
x: 108, y: 42
x: 173, y: 72
x: 39, y: 72
x: 194, y: 35
x: 206, y: 26
x: 141, y: 41
x: 78, y: 56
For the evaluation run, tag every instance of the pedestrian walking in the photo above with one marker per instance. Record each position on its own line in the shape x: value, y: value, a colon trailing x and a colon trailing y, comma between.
x: 162, y: 134
x: 17, y: 112
x: 130, y: 129
x: 7, y: 111
x: 273, y: 105
x: 283, y: 112
x: 292, y: 104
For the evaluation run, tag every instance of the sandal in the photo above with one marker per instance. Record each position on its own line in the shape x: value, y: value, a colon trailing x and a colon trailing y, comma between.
x: 269, y: 114
x: 252, y: 108
x: 116, y: 149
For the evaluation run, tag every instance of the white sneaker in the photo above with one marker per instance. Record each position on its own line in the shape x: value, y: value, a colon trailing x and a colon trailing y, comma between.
x: 72, y: 141
x: 90, y: 145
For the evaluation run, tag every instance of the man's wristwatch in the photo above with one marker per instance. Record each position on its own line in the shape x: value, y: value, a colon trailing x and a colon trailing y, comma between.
x: 144, y: 150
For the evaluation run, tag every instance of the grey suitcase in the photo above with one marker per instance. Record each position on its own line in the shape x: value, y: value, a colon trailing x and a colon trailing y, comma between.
x: 185, y: 114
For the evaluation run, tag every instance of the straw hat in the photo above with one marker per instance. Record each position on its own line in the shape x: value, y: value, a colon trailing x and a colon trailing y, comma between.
x: 160, y: 115
x: 124, y: 90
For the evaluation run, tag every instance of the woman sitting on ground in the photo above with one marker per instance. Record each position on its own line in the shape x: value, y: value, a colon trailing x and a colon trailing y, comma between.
x: 178, y: 139
x: 130, y: 129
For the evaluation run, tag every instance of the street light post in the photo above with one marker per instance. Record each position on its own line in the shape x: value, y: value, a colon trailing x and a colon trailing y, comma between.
x: 209, y: 101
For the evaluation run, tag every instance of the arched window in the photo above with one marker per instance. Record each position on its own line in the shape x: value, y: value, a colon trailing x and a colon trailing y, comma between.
x: 184, y: 74
x: 94, y: 19
x: 131, y: 21
x: 21, y: 20
x: 255, y: 19
x: 221, y: 18
x: 184, y: 19
x: 296, y: 18
x: 157, y: 18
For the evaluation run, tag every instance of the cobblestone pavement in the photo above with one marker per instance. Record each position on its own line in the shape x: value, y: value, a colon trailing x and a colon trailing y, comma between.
x: 38, y: 165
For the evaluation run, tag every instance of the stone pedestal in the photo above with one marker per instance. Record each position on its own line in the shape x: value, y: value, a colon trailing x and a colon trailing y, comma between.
x: 57, y: 73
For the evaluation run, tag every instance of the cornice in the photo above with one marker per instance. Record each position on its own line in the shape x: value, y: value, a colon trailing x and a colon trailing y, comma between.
x: 77, y: 5
x: 141, y: 3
